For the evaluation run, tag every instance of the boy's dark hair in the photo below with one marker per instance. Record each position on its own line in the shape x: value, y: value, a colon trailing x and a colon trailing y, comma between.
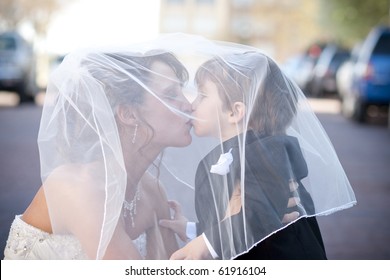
x: 255, y: 80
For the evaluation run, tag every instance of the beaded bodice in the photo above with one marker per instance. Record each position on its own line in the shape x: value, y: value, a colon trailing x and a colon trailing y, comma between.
x: 27, y: 242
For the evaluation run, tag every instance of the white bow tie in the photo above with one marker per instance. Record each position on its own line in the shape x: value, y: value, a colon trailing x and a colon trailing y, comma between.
x: 222, y: 166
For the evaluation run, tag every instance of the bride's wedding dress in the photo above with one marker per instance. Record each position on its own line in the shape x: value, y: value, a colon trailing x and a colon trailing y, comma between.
x: 26, y: 242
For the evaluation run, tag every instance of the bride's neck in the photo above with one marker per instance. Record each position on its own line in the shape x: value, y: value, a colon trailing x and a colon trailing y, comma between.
x: 136, y: 164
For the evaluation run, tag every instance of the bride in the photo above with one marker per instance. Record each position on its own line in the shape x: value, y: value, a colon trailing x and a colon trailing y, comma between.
x: 104, y: 122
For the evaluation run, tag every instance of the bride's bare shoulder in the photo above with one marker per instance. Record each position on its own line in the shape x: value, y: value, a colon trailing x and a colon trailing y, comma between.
x: 75, y: 178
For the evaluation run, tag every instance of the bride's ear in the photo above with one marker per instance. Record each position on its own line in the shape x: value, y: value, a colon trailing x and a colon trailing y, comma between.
x: 126, y: 115
x: 238, y: 112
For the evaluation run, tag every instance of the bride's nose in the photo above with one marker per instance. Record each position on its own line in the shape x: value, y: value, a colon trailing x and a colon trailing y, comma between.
x: 186, y: 106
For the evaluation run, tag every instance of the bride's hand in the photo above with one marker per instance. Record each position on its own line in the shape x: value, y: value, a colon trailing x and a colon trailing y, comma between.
x: 178, y: 223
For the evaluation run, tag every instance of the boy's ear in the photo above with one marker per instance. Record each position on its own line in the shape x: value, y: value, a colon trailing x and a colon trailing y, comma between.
x: 126, y: 115
x: 238, y: 112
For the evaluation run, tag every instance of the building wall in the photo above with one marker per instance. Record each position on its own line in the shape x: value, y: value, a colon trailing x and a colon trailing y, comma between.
x: 279, y: 27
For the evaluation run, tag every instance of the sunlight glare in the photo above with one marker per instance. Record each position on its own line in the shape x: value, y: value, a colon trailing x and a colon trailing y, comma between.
x: 86, y: 23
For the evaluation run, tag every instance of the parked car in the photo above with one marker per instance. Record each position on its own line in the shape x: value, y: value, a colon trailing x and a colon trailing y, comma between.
x: 371, y: 75
x: 55, y: 61
x: 344, y: 74
x: 300, y: 66
x: 323, y: 78
x: 17, y: 66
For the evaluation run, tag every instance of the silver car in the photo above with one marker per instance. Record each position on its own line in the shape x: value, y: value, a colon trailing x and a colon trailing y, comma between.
x: 17, y: 66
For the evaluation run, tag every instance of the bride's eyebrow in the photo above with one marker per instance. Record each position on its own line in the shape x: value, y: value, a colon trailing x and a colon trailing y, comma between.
x: 170, y: 88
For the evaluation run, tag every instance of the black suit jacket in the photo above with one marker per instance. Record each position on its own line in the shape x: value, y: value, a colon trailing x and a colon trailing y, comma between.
x: 270, y: 162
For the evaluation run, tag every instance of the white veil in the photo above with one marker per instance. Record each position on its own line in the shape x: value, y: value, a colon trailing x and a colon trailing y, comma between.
x: 116, y: 144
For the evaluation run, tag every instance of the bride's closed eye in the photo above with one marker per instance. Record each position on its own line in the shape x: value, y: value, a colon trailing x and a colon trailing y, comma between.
x: 171, y: 93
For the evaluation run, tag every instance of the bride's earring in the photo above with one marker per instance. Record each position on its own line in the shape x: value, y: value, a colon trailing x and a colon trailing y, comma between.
x: 134, y: 134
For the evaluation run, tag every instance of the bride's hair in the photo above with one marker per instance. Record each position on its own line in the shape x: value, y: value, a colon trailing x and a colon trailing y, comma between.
x: 125, y: 76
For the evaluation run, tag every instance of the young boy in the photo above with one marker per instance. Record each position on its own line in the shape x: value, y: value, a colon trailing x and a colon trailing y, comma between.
x: 243, y: 187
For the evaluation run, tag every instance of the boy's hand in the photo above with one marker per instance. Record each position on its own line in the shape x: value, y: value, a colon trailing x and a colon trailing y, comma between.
x: 194, y: 250
x: 178, y: 223
x: 292, y: 202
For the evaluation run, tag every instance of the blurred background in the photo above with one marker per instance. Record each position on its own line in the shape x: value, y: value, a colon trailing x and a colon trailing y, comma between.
x: 337, y: 51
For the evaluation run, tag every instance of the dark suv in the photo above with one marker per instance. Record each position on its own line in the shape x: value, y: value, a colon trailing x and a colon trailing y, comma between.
x: 323, y: 79
x: 371, y: 76
x: 17, y: 66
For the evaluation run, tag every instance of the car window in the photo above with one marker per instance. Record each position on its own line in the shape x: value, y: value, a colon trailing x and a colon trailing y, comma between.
x: 383, y: 45
x: 340, y: 57
x: 7, y: 44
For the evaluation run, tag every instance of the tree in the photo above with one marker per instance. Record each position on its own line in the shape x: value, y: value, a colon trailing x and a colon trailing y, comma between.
x: 349, y: 21
x: 37, y: 13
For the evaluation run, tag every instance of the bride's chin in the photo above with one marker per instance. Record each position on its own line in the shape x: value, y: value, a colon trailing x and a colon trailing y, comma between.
x: 187, y: 140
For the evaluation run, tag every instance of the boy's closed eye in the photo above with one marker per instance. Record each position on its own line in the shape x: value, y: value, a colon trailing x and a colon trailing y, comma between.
x: 202, y: 95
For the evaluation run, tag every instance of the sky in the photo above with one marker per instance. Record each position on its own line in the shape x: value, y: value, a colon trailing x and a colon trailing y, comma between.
x: 87, y: 23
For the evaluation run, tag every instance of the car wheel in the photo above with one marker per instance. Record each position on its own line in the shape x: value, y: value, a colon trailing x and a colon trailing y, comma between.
x: 359, y: 111
x: 317, y: 90
x: 25, y: 93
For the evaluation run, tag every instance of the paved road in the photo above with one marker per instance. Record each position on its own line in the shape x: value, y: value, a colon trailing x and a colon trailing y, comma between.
x: 361, y: 232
